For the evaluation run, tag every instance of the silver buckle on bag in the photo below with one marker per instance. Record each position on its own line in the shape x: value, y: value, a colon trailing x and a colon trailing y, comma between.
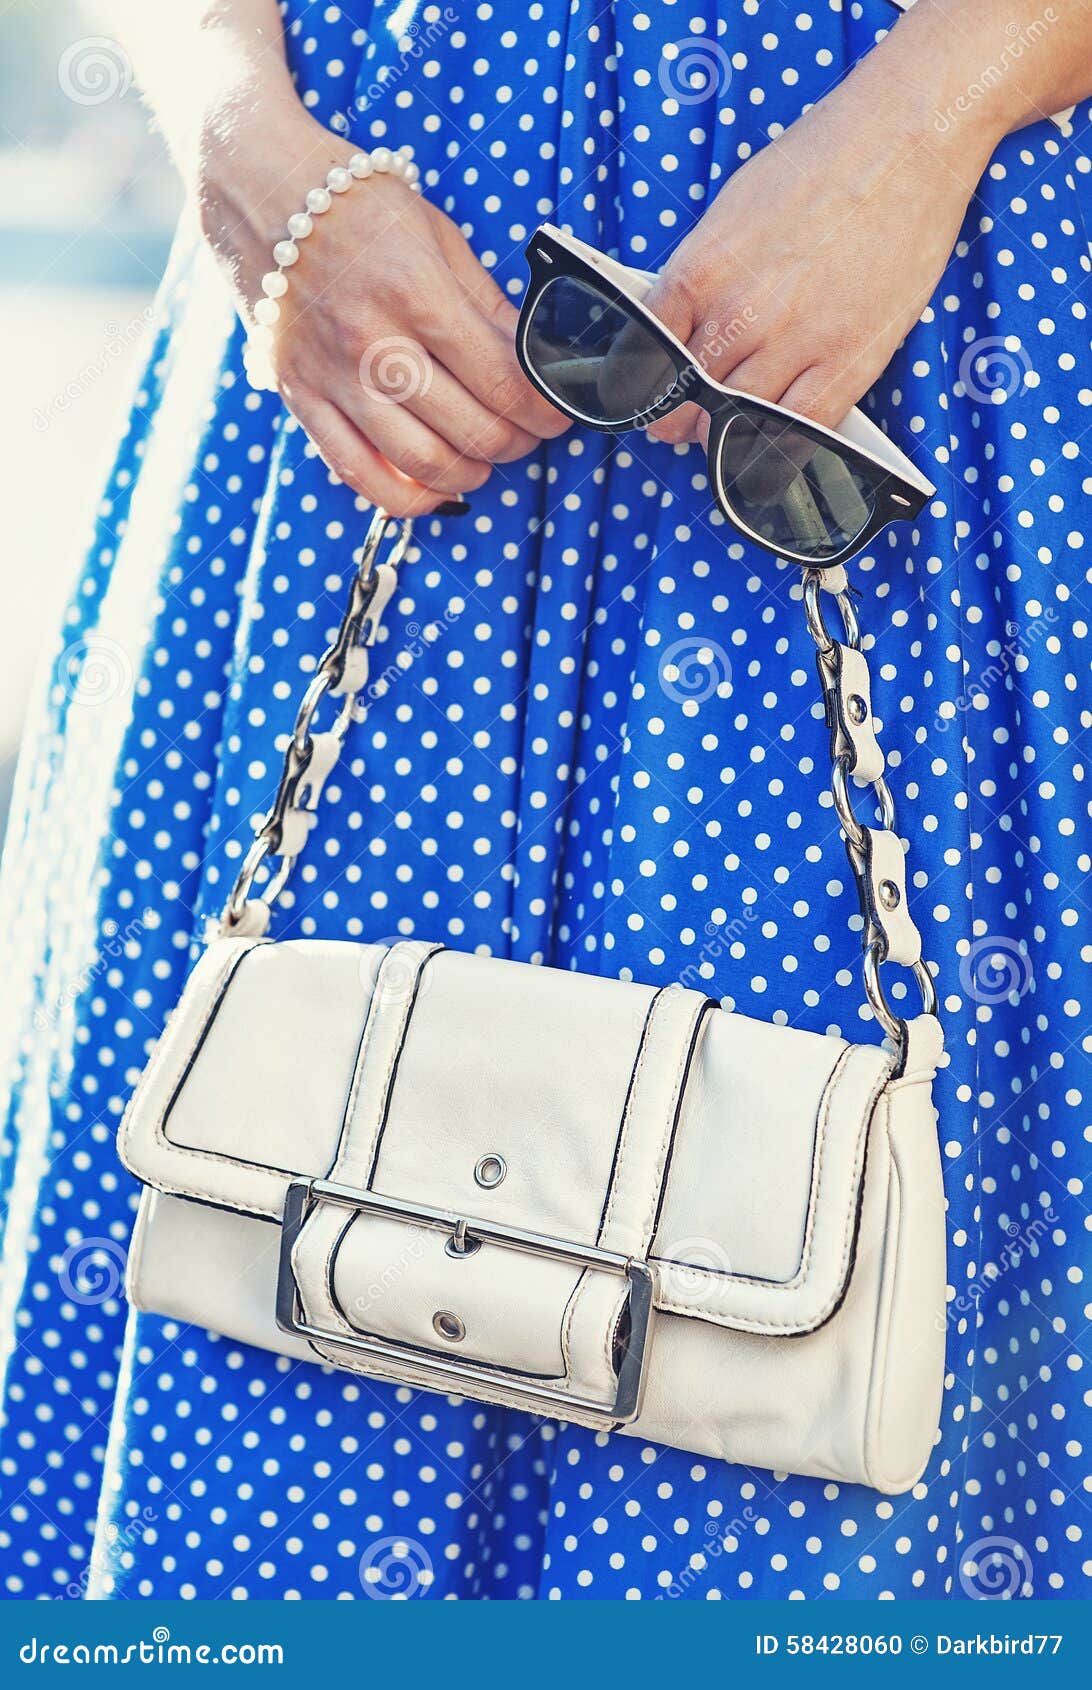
x: 627, y: 1400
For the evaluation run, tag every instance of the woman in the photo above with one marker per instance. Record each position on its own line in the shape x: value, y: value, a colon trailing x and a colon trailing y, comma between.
x: 540, y: 786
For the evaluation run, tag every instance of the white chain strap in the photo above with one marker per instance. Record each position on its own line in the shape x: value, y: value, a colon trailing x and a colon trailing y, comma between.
x: 876, y: 854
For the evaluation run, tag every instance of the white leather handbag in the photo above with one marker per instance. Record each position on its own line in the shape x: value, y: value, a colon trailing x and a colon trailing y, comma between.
x: 609, y: 1203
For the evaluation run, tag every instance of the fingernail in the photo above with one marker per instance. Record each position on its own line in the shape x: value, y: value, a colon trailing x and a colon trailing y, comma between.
x: 452, y: 507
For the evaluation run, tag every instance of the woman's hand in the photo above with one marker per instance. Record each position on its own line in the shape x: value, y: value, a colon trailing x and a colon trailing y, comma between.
x: 394, y: 347
x: 816, y: 259
x: 821, y: 252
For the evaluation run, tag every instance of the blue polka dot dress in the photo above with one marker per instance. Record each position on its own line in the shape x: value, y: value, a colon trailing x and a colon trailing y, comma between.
x: 543, y: 785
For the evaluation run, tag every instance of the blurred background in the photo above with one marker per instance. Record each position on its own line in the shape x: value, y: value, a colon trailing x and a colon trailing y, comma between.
x: 88, y: 202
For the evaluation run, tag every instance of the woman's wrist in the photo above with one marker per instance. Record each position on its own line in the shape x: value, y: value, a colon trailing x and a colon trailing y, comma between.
x: 254, y: 170
x: 916, y: 89
x: 955, y: 82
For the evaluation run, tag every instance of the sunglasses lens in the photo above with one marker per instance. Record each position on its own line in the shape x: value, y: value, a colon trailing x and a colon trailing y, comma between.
x: 595, y: 359
x: 791, y: 488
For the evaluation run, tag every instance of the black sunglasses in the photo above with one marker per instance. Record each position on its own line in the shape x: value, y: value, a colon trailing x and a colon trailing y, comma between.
x: 804, y: 492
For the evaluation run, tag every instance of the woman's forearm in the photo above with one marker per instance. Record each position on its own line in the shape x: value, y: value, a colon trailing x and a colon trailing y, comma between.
x: 215, y: 75
x: 207, y: 67
x: 981, y: 67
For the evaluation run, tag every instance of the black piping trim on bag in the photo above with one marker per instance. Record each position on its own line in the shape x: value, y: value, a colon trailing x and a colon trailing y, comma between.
x: 813, y: 1195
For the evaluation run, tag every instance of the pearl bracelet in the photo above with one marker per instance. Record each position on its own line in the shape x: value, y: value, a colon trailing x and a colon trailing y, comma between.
x: 380, y: 161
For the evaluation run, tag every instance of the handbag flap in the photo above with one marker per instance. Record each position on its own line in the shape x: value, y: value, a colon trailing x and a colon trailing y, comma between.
x: 727, y: 1153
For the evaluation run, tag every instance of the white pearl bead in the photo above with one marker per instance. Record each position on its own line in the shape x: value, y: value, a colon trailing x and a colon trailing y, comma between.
x: 300, y: 225
x: 285, y: 253
x: 360, y: 166
x: 274, y: 284
x: 262, y: 335
x: 319, y: 200
x: 338, y: 180
x: 413, y: 174
x: 398, y: 165
x: 267, y: 311
x: 406, y: 153
x: 381, y: 157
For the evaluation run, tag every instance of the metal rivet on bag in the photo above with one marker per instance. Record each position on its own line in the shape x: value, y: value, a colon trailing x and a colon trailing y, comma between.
x: 856, y: 708
x: 448, y: 1326
x: 890, y: 896
x: 490, y: 1170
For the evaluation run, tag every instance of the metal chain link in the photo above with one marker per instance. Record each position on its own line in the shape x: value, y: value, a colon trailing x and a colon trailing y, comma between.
x: 856, y: 837
x: 343, y: 672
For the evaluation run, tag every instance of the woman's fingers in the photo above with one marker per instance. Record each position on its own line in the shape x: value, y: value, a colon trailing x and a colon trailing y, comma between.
x: 393, y: 426
x: 345, y: 450
x: 410, y: 377
x: 478, y: 285
x: 479, y: 350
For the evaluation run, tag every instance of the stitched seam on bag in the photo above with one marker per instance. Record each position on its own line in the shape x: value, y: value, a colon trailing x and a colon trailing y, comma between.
x: 358, y: 1065
x: 567, y: 1323
x: 742, y: 1323
x: 878, y: 1360
x: 220, y: 986
x: 627, y: 1122
x: 818, y: 1147
x: 174, y: 1151
x: 647, y: 1225
x: 163, y: 1059
x: 669, y: 1119
x: 397, y: 1048
x: 347, y: 1147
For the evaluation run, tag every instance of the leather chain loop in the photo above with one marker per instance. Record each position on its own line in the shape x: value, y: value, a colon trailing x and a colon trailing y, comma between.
x: 875, y: 855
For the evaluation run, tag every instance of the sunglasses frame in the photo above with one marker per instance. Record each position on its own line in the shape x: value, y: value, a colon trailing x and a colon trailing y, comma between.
x: 901, y: 491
